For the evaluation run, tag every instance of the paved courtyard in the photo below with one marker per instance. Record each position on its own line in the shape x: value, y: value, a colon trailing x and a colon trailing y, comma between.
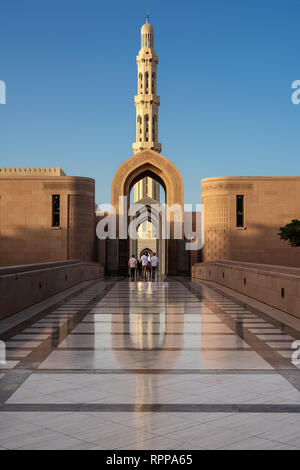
x: 172, y: 364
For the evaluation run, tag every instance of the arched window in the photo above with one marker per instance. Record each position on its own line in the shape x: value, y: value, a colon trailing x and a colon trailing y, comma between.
x: 153, y: 83
x: 146, y: 83
x: 139, y: 124
x: 146, y: 122
x: 154, y: 125
x: 141, y: 81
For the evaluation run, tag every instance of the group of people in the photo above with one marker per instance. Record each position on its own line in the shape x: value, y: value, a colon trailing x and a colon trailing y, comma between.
x: 146, y: 267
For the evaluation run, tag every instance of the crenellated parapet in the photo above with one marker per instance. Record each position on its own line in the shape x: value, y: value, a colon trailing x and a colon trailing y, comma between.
x: 9, y: 172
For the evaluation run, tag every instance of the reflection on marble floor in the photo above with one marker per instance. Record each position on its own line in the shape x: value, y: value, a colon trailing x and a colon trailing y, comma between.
x: 149, y: 365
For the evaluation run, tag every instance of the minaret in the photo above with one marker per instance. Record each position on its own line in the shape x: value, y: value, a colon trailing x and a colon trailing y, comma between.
x: 147, y: 101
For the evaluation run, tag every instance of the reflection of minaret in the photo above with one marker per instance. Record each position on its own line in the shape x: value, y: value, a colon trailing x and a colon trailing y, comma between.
x: 147, y: 103
x: 147, y: 322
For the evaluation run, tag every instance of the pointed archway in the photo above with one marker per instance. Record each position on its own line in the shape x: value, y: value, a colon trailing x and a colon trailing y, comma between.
x: 142, y: 164
x: 148, y: 163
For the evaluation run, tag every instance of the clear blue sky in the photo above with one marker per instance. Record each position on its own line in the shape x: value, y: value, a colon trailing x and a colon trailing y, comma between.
x: 224, y: 78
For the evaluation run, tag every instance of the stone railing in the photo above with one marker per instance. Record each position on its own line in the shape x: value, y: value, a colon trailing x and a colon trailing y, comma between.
x: 22, y: 286
x: 278, y: 286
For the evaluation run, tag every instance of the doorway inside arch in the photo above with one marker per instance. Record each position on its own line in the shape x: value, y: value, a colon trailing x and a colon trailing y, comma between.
x: 147, y: 252
x: 147, y: 191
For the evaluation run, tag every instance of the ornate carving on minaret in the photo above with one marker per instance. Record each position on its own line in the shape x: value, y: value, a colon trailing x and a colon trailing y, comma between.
x: 147, y: 101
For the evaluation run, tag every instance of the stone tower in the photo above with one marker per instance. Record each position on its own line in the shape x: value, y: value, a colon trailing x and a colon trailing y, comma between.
x: 147, y: 103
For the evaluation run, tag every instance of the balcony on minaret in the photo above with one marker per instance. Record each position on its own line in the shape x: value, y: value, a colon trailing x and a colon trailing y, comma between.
x: 139, y: 146
x: 149, y: 98
x: 147, y: 57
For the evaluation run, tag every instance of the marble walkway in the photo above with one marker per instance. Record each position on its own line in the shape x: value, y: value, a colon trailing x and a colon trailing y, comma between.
x: 172, y: 364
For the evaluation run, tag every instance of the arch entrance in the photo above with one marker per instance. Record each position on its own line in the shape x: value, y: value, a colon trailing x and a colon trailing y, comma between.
x: 146, y: 251
x: 149, y: 232
x: 147, y: 163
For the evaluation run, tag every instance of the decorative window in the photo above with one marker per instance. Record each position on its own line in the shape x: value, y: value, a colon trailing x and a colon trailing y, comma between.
x: 154, y: 122
x: 153, y: 83
x: 55, y: 210
x: 146, y: 127
x: 240, y: 216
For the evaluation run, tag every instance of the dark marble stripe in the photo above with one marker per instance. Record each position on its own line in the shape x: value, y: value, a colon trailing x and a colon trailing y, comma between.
x: 99, y: 333
x: 14, y: 358
x: 86, y: 348
x: 155, y: 407
x: 162, y: 371
x: 127, y: 310
x: 121, y: 322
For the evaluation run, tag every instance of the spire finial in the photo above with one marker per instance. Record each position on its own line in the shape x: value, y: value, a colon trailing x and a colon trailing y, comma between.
x: 147, y: 16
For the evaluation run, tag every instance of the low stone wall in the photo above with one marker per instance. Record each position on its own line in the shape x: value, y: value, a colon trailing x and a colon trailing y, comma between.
x: 22, y: 286
x: 278, y: 286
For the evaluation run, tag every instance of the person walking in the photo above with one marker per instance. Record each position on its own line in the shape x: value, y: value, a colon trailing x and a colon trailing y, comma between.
x: 154, y: 265
x: 144, y: 260
x: 132, y: 266
x: 139, y: 269
x: 149, y: 268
